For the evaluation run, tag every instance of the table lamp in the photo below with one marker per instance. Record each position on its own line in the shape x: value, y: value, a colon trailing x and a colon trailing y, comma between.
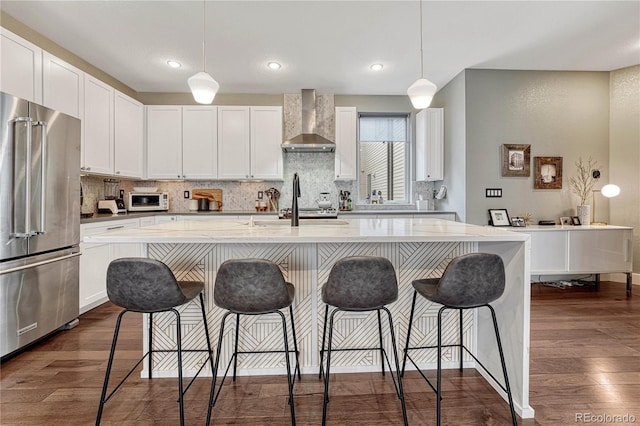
x: 608, y: 191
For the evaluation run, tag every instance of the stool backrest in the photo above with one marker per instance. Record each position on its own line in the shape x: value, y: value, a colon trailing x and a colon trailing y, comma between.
x: 250, y: 286
x: 143, y: 285
x: 472, y: 280
x: 361, y: 282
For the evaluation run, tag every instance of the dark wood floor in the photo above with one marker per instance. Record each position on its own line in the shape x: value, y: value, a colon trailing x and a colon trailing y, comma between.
x: 585, y: 358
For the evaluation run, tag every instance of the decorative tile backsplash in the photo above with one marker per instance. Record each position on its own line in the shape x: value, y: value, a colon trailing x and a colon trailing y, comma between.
x: 316, y: 171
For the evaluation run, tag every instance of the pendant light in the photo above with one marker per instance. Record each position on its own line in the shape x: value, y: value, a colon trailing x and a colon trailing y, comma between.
x: 202, y: 85
x: 422, y: 90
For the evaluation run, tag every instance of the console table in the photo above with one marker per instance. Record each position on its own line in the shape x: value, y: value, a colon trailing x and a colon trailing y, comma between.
x: 596, y: 249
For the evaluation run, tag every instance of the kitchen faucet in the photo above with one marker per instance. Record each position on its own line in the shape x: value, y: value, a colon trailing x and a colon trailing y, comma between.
x: 295, y: 220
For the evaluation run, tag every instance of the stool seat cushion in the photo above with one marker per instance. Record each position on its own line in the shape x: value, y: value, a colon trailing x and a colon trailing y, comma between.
x: 468, y: 281
x: 361, y: 283
x: 147, y: 285
x: 251, y: 286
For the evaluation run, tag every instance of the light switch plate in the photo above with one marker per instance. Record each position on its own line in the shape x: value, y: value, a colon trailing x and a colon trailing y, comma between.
x: 493, y: 192
x: 186, y: 195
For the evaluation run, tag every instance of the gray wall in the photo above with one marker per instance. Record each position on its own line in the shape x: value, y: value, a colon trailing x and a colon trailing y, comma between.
x: 452, y: 99
x: 624, y: 152
x: 560, y: 114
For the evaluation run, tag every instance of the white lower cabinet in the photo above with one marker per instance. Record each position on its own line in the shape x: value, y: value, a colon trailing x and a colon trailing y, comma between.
x: 96, y: 258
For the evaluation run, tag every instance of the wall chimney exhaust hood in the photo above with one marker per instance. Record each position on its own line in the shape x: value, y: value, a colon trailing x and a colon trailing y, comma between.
x: 309, y: 140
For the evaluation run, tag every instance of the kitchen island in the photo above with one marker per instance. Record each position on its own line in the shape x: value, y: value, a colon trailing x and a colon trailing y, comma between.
x: 417, y: 248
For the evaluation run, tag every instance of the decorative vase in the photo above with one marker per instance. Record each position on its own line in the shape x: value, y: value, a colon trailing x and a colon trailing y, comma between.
x: 584, y: 213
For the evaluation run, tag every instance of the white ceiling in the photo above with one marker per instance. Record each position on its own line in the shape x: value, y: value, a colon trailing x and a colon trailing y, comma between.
x: 329, y: 45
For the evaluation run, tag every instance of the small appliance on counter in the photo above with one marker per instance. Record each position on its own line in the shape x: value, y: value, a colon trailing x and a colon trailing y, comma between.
x: 111, y: 206
x: 147, y: 201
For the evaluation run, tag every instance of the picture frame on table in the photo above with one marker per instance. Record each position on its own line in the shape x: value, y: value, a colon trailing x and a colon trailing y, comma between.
x: 576, y: 220
x: 547, y: 173
x: 565, y: 221
x: 499, y: 217
x: 516, y: 160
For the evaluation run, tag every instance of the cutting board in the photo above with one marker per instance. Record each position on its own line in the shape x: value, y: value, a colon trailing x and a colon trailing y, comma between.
x: 212, y: 194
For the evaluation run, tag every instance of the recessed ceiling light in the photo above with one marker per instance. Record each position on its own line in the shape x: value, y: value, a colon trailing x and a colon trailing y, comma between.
x: 274, y: 65
x: 376, y: 67
x: 174, y: 64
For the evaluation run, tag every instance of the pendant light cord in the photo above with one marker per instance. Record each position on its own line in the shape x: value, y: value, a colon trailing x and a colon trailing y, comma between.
x: 204, y: 35
x: 421, y: 53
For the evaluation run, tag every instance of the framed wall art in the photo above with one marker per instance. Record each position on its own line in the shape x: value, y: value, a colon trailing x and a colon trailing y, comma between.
x: 499, y: 217
x: 516, y: 160
x: 547, y: 173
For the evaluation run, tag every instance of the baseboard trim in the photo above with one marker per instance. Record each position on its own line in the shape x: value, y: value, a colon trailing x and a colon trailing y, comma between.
x: 621, y: 278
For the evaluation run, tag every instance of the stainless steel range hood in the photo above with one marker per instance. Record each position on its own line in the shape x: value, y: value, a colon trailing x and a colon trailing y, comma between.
x: 309, y: 140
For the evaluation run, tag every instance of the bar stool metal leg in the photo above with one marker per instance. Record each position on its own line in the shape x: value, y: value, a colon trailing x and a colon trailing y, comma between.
x: 180, y: 384
x: 206, y: 331
x: 235, y: 347
x: 461, y: 339
x: 400, y: 390
x: 150, y: 348
x: 381, y: 346
x: 324, y: 335
x: 103, y: 397
x: 289, y: 378
x: 328, y: 371
x: 504, y: 366
x: 295, y: 342
x: 406, y: 346
x: 213, y: 394
x: 439, y: 373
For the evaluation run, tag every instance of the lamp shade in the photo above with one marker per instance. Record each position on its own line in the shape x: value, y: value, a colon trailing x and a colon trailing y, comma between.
x: 610, y: 190
x: 203, y: 87
x: 421, y: 93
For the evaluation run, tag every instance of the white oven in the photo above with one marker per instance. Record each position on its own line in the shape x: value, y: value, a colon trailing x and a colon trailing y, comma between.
x: 147, y: 201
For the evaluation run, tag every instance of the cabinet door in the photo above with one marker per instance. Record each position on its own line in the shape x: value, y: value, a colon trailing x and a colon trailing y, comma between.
x: 62, y: 86
x: 128, y: 136
x: 430, y: 144
x: 20, y: 67
x: 199, y: 142
x: 93, y: 275
x: 164, y: 142
x: 346, y: 143
x: 97, y: 126
x: 600, y: 250
x: 266, y: 138
x: 233, y: 142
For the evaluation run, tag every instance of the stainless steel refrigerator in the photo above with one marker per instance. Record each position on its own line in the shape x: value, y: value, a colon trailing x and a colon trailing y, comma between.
x: 39, y: 221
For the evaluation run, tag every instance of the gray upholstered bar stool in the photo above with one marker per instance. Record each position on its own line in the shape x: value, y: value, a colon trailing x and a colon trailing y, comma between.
x: 469, y: 281
x: 360, y: 283
x: 148, y: 286
x: 253, y: 287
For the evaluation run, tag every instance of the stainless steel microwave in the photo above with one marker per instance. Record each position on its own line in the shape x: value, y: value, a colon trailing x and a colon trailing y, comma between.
x: 147, y: 201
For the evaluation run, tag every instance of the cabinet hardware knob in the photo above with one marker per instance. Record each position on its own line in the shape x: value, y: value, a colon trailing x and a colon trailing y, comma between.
x: 88, y: 168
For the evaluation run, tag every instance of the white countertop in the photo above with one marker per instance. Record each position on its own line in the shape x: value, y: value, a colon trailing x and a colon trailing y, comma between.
x: 536, y: 228
x: 310, y: 231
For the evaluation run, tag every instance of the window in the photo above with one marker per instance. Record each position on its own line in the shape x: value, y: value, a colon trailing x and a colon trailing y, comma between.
x: 383, y: 145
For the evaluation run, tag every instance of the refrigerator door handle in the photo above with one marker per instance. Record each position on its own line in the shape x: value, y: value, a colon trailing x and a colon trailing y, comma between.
x: 27, y: 213
x: 44, y: 262
x: 43, y: 182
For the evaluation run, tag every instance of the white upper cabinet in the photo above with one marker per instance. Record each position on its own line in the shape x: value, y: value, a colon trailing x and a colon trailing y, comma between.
x: 266, y: 141
x: 62, y: 86
x: 97, y: 139
x: 234, y: 138
x: 346, y: 143
x: 164, y: 142
x: 430, y: 144
x: 128, y: 136
x: 199, y: 142
x: 20, y: 67
x: 182, y: 142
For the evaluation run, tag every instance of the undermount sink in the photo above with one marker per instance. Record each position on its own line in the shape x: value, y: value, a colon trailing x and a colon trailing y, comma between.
x: 305, y: 222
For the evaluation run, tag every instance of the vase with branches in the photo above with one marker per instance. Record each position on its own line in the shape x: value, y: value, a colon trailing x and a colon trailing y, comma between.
x: 582, y: 184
